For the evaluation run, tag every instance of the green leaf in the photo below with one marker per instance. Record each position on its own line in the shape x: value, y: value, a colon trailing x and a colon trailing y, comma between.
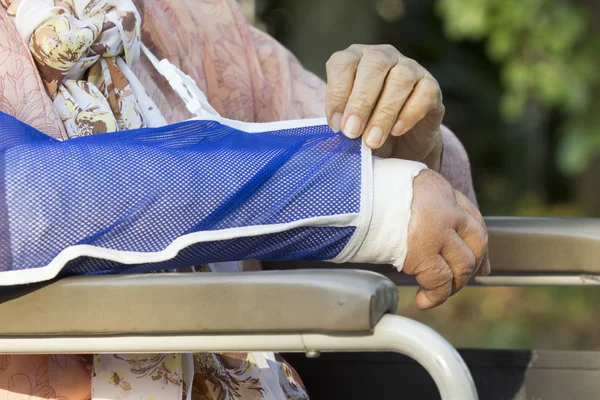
x: 574, y: 153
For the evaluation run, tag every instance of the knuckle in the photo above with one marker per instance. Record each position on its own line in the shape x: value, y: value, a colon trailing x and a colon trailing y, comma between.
x: 388, y: 48
x: 386, y: 113
x: 469, y: 266
x: 480, y: 219
x: 441, y: 109
x: 377, y: 61
x: 403, y: 75
x: 415, y: 110
x: 483, y: 247
x: 443, y: 276
x: 375, y: 66
x: 464, y: 275
x: 461, y: 281
x: 432, y: 90
x: 465, y: 269
x: 336, y: 56
x: 360, y: 101
x: 412, y: 64
x: 338, y: 91
x: 337, y: 97
x: 341, y: 60
x: 479, y: 243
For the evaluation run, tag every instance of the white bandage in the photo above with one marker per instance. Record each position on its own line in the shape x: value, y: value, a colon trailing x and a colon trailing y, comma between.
x: 386, y: 241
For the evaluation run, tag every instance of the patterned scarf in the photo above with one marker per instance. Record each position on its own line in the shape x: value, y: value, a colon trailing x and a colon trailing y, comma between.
x: 84, y: 50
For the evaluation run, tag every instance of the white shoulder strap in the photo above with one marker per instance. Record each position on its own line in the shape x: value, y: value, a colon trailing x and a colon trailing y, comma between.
x: 195, y: 100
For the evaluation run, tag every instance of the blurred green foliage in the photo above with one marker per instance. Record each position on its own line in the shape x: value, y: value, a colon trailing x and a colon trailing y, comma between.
x: 512, y: 317
x: 549, y: 54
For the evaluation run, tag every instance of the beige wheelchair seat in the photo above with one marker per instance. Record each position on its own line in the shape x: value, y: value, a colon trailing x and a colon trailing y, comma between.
x: 253, y: 302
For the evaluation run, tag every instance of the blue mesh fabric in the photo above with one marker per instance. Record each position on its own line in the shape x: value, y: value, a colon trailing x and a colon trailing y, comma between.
x: 140, y: 190
x: 311, y: 244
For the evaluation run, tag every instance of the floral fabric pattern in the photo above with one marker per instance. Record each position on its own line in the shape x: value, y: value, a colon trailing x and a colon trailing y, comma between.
x: 138, y: 376
x: 83, y: 51
x: 33, y: 377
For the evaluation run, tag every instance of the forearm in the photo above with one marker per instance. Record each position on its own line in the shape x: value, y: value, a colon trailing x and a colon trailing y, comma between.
x: 194, y: 193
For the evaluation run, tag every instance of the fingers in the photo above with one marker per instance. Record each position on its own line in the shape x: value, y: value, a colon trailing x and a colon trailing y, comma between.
x: 474, y: 233
x: 464, y: 203
x: 371, y: 75
x: 435, y: 282
x: 425, y: 99
x: 468, y: 206
x: 460, y: 258
x: 397, y: 88
x: 486, y: 267
x: 341, y: 72
x: 375, y: 90
x: 447, y: 240
x: 446, y: 273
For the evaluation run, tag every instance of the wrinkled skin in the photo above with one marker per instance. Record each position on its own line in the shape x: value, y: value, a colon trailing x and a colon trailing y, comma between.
x: 388, y: 99
x: 447, y: 240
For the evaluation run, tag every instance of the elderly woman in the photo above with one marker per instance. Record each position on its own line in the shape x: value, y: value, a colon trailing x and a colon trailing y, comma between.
x: 68, y: 68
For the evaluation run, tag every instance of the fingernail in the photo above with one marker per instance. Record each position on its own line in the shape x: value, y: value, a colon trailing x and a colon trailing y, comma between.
x: 487, y: 268
x: 374, y: 136
x: 399, y: 128
x: 336, y: 122
x: 352, y: 127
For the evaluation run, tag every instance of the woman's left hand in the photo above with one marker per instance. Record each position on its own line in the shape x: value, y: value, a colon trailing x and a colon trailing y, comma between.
x: 389, y: 99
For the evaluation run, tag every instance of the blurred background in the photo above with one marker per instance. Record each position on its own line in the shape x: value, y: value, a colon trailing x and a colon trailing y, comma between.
x: 521, y: 85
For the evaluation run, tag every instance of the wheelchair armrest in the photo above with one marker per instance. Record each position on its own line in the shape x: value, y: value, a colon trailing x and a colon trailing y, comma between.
x: 547, y: 245
x: 200, y: 303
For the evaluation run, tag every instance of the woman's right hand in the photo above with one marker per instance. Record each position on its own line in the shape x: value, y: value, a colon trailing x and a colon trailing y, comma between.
x: 447, y: 240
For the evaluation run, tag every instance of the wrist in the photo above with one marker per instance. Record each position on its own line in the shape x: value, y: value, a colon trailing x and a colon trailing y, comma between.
x: 387, y: 236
